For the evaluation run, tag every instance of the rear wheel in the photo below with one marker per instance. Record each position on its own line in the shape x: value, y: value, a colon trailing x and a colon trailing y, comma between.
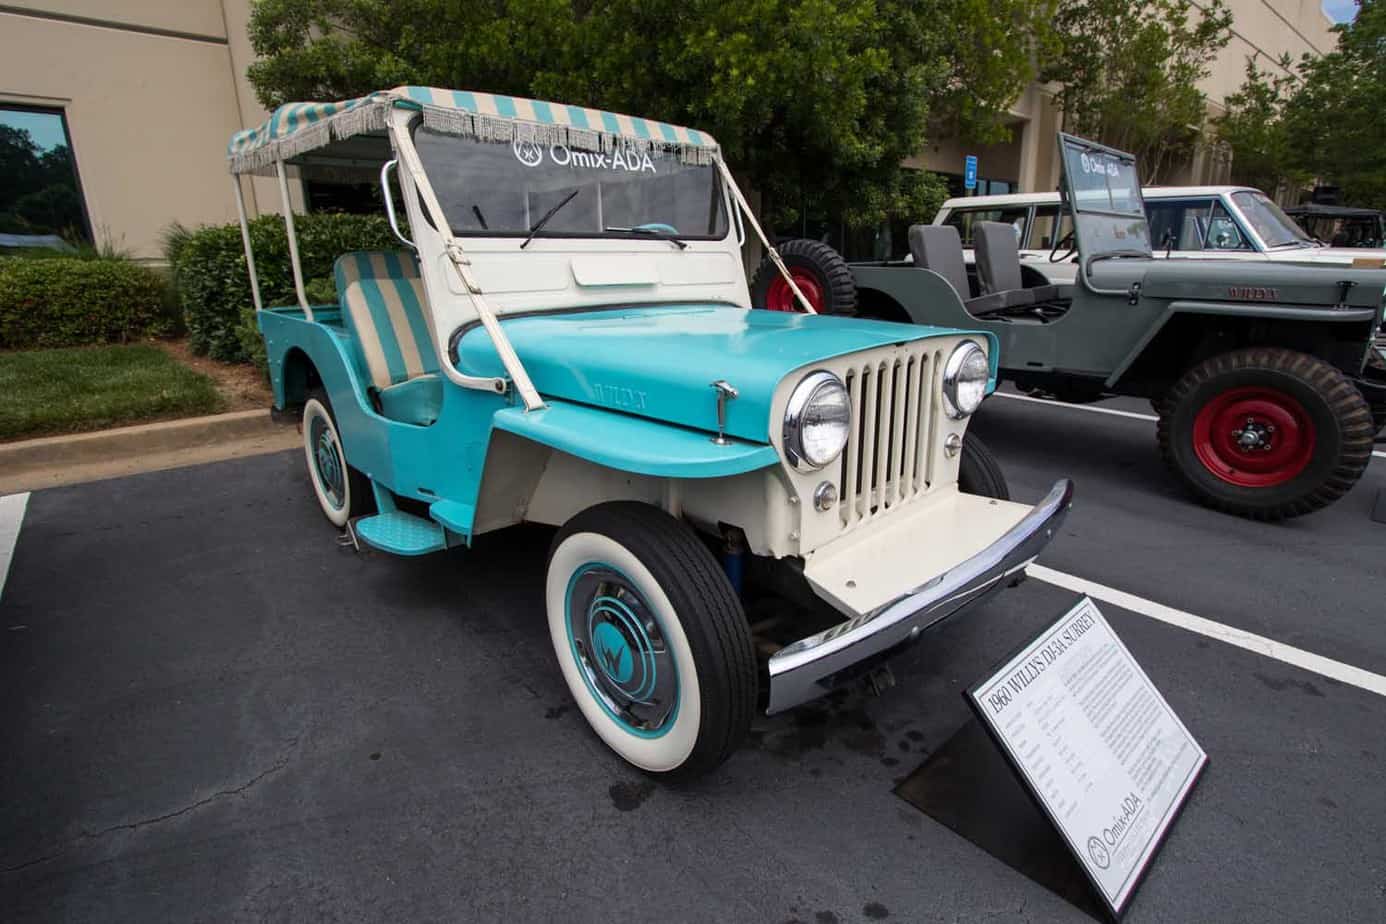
x: 979, y: 472
x: 1266, y: 433
x: 819, y: 272
x: 651, y: 639
x: 342, y: 492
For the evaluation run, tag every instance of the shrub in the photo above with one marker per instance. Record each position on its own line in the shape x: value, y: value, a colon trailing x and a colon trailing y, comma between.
x: 72, y: 301
x: 214, y: 287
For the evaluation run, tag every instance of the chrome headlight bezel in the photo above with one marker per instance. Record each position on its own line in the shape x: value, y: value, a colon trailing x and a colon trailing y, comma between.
x: 800, y: 400
x: 953, y: 371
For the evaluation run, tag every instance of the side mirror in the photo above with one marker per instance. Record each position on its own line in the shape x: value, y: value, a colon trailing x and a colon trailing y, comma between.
x: 390, y: 202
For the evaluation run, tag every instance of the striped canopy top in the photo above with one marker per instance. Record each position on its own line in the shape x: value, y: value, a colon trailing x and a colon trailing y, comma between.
x: 296, y: 128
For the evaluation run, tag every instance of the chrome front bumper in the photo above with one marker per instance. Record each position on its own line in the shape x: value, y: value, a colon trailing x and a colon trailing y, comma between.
x: 812, y: 666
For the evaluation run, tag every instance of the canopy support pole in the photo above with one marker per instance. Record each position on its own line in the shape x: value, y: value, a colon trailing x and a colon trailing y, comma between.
x: 460, y: 262
x: 293, y: 240
x: 770, y: 251
x: 245, y: 243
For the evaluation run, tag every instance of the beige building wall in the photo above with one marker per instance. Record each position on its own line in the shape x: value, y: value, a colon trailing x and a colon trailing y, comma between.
x: 1261, y: 29
x: 152, y: 91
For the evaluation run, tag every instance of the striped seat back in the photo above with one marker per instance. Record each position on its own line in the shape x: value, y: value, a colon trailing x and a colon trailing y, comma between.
x: 384, y: 305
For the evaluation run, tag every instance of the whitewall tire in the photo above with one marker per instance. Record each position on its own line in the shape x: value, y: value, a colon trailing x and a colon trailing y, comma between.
x: 341, y: 491
x: 650, y: 638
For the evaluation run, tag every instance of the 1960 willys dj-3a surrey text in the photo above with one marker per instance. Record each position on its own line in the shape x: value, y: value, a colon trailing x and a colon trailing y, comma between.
x: 564, y: 337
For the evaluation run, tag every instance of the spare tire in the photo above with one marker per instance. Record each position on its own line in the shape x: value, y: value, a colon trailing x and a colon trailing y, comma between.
x: 819, y: 272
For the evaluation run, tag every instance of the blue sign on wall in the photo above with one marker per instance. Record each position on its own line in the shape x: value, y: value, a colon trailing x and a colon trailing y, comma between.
x: 970, y: 172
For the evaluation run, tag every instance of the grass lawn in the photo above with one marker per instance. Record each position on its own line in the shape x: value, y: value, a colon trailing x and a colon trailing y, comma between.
x: 61, y: 391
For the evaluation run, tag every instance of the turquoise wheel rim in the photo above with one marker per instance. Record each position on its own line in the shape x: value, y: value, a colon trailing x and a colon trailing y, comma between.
x: 328, y: 462
x: 621, y: 650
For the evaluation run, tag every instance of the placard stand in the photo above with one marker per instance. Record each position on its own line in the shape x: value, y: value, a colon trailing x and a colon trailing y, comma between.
x: 1091, y: 741
x: 969, y: 787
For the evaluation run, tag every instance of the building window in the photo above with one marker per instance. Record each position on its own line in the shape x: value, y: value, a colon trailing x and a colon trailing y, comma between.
x: 40, y: 197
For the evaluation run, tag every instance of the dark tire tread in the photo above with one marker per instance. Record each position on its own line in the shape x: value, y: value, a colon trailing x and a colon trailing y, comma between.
x: 695, y: 583
x: 1344, y: 402
x: 979, y: 472
x: 840, y: 291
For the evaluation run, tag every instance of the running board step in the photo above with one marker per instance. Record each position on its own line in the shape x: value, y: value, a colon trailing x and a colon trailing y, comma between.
x: 401, y: 533
x: 455, y: 515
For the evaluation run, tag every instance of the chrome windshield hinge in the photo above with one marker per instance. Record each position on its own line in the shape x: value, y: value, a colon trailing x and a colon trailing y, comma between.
x: 725, y: 392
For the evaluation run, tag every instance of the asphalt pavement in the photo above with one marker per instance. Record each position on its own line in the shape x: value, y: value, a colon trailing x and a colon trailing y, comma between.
x: 214, y: 712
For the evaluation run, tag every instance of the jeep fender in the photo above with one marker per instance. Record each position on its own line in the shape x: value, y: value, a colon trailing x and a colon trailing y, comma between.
x: 634, y: 444
x: 1317, y: 315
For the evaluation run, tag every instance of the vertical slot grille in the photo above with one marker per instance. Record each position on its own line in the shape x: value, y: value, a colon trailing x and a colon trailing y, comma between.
x: 887, y: 459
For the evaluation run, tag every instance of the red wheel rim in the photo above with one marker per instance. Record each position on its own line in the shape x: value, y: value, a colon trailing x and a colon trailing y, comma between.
x: 780, y: 296
x: 1254, y: 437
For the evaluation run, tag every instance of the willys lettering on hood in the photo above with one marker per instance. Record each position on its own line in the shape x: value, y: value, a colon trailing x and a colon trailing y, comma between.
x: 660, y: 362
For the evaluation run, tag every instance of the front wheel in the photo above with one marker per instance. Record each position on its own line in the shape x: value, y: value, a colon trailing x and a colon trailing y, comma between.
x: 1266, y: 433
x: 651, y: 639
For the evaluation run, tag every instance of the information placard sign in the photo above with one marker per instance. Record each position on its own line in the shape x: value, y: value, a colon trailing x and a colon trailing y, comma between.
x: 1096, y: 744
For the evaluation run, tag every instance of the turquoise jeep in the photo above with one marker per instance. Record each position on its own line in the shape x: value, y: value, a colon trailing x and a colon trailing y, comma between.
x: 565, y: 338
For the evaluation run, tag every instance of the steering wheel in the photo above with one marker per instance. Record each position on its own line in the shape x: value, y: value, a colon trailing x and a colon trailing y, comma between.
x: 1065, y: 241
x: 658, y: 226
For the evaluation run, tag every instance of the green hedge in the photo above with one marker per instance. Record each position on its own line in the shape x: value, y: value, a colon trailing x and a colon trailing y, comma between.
x: 69, y: 301
x: 213, y: 285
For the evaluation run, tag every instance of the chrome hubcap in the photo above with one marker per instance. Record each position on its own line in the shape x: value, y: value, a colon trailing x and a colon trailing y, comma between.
x: 621, y: 650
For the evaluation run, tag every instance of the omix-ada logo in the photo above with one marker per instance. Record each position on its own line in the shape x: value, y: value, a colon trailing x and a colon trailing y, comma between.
x: 528, y: 152
x: 1098, y: 851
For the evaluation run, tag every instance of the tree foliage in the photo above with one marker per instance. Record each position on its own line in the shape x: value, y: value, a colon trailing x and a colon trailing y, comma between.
x: 1333, y: 123
x: 1255, y: 128
x: 815, y: 102
x: 1130, y: 71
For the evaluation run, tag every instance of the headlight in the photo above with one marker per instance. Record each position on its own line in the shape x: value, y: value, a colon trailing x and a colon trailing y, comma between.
x: 817, y: 421
x: 965, y: 378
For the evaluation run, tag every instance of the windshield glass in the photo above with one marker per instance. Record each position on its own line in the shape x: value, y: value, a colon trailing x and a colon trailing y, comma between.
x: 1102, y: 181
x: 501, y: 189
x: 1275, y: 227
x: 1103, y: 189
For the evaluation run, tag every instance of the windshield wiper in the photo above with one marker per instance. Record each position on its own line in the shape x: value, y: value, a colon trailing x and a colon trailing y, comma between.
x: 653, y: 232
x: 539, y: 225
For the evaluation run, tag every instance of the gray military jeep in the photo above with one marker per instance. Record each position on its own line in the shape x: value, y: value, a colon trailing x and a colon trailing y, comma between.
x: 1269, y: 387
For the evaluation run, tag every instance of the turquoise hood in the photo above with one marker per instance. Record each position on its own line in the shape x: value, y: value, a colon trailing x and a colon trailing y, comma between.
x: 660, y: 362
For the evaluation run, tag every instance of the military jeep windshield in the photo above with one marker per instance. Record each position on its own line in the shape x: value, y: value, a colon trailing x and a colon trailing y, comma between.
x: 503, y: 189
x: 1105, y: 190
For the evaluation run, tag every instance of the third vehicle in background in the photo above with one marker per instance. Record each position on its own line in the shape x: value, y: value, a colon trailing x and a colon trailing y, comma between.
x: 1340, y: 226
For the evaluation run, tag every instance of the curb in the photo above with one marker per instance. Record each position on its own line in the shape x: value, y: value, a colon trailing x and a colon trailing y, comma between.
x: 140, y: 440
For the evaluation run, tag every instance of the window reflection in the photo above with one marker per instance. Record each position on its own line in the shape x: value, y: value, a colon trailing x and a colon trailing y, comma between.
x: 40, y: 198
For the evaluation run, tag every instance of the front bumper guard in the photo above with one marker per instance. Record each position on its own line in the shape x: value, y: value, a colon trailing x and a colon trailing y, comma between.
x: 810, y: 667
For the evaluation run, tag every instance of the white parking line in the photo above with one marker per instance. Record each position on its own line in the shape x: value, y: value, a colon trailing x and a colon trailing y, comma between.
x: 1298, y: 657
x: 1105, y: 410
x: 1077, y: 407
x: 11, y: 516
